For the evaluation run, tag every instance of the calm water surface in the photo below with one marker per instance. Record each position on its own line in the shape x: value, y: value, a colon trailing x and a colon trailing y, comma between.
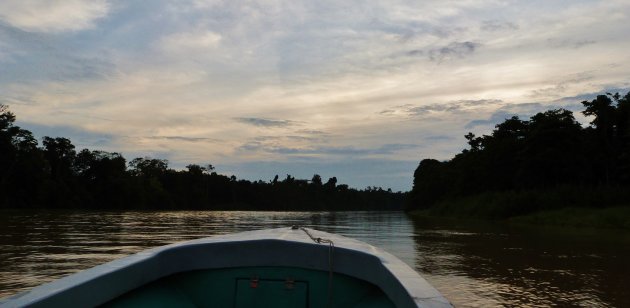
x: 472, y: 264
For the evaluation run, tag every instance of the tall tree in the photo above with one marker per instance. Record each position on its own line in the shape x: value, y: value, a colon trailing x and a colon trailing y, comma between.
x: 61, y: 155
x: 21, y: 163
x: 316, y: 180
x: 603, y: 111
x: 148, y: 167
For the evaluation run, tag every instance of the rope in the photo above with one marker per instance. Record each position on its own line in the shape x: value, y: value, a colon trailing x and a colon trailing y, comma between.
x: 331, y: 248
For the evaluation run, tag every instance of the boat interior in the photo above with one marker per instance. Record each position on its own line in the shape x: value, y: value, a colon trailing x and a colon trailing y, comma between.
x: 255, y: 287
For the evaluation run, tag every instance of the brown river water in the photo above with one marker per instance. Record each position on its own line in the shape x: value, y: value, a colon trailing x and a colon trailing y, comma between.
x: 473, y: 264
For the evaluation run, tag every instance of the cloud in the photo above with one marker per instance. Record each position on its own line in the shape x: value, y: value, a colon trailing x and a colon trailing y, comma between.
x: 410, y: 110
x: 394, y: 147
x: 569, y: 43
x: 523, y: 111
x: 191, y: 41
x: 311, y: 132
x: 386, y: 149
x: 53, y: 15
x: 452, y: 51
x: 415, y: 53
x: 33, y: 57
x: 498, y: 25
x: 181, y: 138
x: 439, y: 138
x: 561, y: 87
x: 265, y: 122
x: 453, y: 106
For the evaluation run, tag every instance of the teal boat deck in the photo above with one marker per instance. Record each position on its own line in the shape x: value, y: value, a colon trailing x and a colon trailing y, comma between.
x: 254, y: 287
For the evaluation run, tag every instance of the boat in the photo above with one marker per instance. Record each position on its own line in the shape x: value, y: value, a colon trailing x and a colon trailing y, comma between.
x: 283, y: 267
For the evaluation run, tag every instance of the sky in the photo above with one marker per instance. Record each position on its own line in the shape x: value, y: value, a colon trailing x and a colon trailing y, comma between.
x: 360, y: 90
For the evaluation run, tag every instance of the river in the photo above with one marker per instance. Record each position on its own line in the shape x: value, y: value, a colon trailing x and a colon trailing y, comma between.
x: 473, y: 264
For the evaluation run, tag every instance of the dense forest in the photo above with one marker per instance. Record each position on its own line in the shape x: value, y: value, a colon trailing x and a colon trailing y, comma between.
x: 55, y: 175
x: 547, y: 162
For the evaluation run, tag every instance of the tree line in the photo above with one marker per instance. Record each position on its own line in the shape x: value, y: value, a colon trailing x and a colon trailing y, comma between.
x: 550, y: 154
x: 54, y: 175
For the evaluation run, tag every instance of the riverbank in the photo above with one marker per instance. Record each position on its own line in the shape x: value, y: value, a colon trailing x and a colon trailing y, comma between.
x: 565, y: 207
x: 606, y: 218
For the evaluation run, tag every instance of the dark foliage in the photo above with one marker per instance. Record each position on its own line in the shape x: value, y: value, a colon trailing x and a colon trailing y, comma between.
x: 548, y: 153
x: 56, y: 176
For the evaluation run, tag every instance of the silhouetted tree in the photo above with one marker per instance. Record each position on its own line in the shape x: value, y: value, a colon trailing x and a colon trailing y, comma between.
x: 316, y: 180
x: 604, y: 115
x: 148, y: 167
x: 196, y: 170
x: 428, y: 185
x: 60, y: 154
x: 549, y: 151
x: 22, y: 166
x: 331, y: 184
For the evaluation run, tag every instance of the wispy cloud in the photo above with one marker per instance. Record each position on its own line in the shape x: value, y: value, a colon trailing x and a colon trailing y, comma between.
x: 53, y: 15
x: 439, y: 138
x: 385, y: 149
x: 570, y: 43
x: 311, y: 132
x: 190, y: 41
x: 439, y: 109
x: 266, y: 122
x: 31, y: 57
x: 498, y: 25
x: 453, y: 50
x: 182, y: 138
x: 558, y: 89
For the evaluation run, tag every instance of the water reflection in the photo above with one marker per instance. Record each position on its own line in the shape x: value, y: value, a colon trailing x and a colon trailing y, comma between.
x: 494, y: 264
x: 474, y: 265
